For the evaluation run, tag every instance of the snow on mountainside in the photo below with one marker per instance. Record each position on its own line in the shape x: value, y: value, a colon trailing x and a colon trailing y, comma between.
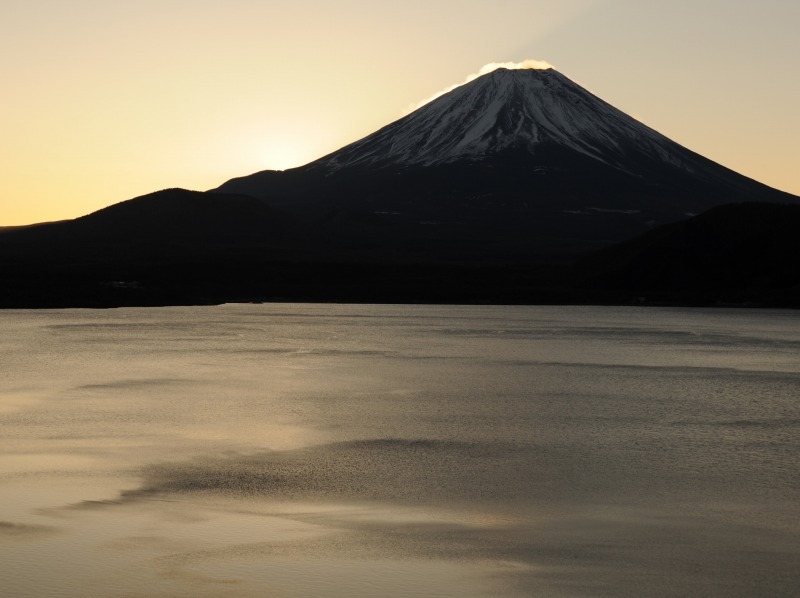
x: 510, y: 137
x: 509, y: 109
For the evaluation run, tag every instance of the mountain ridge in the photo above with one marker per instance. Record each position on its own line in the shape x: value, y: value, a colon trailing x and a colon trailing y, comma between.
x: 504, y: 108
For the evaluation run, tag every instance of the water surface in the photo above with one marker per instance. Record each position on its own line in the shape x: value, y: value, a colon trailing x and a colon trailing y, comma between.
x: 331, y: 450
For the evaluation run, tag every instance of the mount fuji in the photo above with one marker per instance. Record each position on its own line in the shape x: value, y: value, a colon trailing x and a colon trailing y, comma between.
x: 518, y: 109
x: 518, y: 162
x: 496, y: 191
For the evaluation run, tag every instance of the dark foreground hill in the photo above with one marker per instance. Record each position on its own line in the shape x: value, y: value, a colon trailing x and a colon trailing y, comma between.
x: 740, y: 254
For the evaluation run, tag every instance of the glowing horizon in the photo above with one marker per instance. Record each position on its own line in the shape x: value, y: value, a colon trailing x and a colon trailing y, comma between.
x: 105, y: 102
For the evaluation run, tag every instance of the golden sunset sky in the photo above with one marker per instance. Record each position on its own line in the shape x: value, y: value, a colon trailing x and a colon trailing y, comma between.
x: 104, y: 100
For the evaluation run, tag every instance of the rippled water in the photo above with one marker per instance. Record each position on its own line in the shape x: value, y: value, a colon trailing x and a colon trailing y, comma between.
x: 329, y: 450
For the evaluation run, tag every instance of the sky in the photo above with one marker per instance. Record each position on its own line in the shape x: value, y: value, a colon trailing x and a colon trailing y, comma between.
x: 105, y: 100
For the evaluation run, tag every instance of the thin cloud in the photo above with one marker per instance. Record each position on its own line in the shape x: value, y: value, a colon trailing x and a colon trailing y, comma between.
x: 486, y: 68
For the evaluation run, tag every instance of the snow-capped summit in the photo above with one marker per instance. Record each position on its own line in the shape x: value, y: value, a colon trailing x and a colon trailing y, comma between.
x: 512, y: 163
x: 508, y: 109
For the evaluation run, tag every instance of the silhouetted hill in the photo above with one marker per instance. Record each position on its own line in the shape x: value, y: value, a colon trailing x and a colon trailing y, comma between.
x: 170, y: 217
x: 734, y: 254
x: 172, y: 246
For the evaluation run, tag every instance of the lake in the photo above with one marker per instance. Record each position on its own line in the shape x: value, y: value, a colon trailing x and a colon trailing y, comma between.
x: 362, y: 450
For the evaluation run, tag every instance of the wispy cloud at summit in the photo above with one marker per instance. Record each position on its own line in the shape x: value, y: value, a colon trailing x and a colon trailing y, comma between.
x: 528, y: 63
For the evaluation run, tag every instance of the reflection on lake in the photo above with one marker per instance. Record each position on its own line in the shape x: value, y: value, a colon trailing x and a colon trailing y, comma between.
x: 350, y: 450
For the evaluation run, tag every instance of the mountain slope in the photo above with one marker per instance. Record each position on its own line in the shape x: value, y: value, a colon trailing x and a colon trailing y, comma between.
x: 516, y: 163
